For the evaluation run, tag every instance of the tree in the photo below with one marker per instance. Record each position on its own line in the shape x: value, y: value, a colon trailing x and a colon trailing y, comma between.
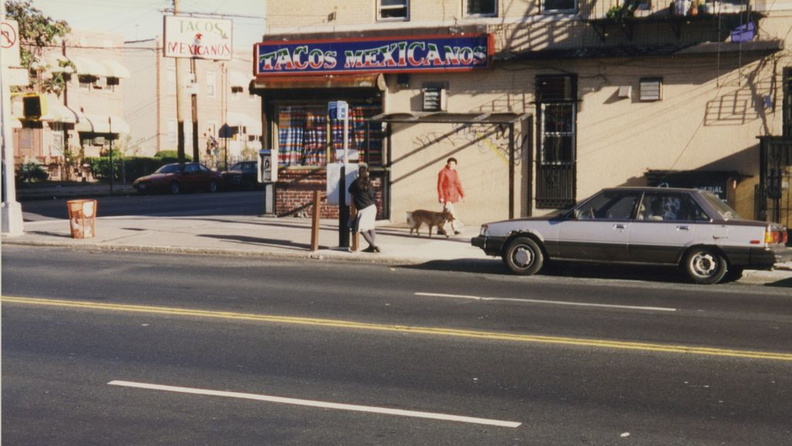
x: 38, y: 31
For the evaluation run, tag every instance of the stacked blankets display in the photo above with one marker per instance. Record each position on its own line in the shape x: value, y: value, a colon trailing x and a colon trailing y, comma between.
x: 303, y: 136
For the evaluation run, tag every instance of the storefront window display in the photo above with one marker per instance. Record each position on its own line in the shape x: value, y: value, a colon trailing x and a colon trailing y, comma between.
x: 303, y: 138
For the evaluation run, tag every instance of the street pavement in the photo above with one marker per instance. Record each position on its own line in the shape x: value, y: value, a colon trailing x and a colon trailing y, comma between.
x: 266, y: 236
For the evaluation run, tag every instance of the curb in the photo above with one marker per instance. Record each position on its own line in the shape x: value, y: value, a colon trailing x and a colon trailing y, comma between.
x: 325, y: 254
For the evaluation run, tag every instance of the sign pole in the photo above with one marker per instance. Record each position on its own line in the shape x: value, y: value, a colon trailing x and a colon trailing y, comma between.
x: 343, y: 208
x: 194, y: 106
x: 11, y: 209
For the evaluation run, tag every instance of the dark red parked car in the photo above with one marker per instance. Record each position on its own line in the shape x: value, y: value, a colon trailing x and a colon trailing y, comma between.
x: 175, y: 178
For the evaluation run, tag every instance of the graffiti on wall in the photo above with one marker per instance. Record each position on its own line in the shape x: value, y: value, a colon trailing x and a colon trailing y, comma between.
x: 487, y: 138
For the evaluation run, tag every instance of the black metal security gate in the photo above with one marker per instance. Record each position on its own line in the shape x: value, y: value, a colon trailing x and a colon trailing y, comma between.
x: 774, y: 194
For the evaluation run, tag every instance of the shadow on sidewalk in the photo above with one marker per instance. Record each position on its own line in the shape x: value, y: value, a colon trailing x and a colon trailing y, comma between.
x: 261, y: 241
x: 49, y: 234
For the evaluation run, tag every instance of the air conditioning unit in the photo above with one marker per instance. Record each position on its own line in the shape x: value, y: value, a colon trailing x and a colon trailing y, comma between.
x: 435, y: 99
x: 651, y: 89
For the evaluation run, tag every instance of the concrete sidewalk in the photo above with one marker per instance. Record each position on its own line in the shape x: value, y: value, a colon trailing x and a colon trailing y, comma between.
x: 281, y: 237
x: 246, y: 235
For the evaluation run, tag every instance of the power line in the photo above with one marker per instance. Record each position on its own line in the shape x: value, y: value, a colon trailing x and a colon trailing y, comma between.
x: 214, y: 14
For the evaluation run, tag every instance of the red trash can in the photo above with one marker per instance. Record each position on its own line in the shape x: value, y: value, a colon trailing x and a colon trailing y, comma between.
x: 82, y: 218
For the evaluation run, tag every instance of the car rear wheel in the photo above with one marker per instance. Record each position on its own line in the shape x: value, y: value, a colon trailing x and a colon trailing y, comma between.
x: 213, y: 186
x: 523, y: 256
x: 175, y: 187
x: 705, y: 266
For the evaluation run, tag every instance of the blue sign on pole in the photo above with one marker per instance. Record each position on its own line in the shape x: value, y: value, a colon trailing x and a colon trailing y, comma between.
x: 338, y: 110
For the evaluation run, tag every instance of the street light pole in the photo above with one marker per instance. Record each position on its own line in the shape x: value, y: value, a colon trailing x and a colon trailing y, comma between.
x: 11, y: 211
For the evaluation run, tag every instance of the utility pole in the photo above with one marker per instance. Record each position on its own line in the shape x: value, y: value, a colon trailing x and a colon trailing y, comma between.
x: 65, y: 173
x: 179, y: 106
x: 194, y: 102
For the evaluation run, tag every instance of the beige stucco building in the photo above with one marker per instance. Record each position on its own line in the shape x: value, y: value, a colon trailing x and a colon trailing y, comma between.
x: 87, y: 114
x: 576, y: 96
x: 225, y: 110
x: 123, y: 95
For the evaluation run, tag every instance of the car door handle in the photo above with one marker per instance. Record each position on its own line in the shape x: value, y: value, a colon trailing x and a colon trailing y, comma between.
x: 683, y: 228
x: 619, y: 226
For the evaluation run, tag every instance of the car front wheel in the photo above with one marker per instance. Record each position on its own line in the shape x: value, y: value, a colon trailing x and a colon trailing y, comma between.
x: 175, y: 187
x: 705, y: 266
x: 213, y: 186
x: 523, y: 256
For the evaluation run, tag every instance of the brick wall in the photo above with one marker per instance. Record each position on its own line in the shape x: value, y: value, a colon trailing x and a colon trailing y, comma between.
x: 294, y: 194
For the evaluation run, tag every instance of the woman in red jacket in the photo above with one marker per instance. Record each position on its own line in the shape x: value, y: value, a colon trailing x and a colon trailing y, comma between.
x: 449, y: 190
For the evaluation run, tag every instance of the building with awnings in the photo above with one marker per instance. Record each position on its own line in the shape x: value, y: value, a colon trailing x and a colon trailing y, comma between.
x: 226, y: 112
x: 574, y: 96
x: 86, y: 116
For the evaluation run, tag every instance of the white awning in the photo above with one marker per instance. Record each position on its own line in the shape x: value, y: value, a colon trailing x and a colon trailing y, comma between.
x: 116, y: 69
x: 253, y: 125
x: 90, y: 123
x: 90, y: 67
x: 52, y: 62
x: 60, y: 113
x: 237, y: 79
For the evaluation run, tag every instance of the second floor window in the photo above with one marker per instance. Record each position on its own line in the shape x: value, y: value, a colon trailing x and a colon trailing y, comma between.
x: 211, y: 84
x: 482, y: 7
x: 393, y: 9
x: 559, y: 6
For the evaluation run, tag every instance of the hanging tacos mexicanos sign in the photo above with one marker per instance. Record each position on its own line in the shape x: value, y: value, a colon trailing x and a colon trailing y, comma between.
x: 198, y: 37
x: 382, y: 54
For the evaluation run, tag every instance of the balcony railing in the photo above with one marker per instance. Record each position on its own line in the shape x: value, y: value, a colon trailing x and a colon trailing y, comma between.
x: 725, y: 15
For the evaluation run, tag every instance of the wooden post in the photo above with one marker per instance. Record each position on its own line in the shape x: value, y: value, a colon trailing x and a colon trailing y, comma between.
x: 315, y: 222
x: 355, y: 235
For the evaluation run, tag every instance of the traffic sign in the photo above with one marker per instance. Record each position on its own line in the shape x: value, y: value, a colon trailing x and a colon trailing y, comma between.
x: 9, y: 43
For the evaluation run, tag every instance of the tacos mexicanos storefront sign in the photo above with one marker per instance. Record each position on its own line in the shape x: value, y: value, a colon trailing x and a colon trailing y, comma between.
x: 394, y: 54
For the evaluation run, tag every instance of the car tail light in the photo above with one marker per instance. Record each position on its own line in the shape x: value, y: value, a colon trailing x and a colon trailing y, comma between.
x: 775, y: 237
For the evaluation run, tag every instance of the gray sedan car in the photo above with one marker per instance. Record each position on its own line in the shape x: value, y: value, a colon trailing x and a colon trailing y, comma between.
x: 689, y: 228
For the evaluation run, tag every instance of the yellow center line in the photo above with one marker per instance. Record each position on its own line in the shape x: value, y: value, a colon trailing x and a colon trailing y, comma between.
x: 435, y: 331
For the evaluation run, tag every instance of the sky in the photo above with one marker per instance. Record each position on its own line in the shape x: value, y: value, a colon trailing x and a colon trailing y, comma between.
x: 142, y: 19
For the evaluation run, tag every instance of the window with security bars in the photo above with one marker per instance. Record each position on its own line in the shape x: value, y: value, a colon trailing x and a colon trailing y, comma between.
x: 556, y: 102
x: 482, y: 7
x: 394, y: 9
x: 307, y: 136
x: 557, y: 130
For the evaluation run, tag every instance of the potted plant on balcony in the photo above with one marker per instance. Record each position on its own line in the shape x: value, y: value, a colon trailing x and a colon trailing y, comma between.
x: 620, y: 13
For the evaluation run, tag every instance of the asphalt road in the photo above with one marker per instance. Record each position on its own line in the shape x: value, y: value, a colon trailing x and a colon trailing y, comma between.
x: 90, y: 338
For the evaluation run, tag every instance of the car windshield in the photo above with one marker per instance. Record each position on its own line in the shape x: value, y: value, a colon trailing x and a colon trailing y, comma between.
x: 168, y: 168
x: 724, y: 210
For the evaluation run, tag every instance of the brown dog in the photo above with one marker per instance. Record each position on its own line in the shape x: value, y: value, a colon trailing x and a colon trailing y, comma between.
x: 419, y: 217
